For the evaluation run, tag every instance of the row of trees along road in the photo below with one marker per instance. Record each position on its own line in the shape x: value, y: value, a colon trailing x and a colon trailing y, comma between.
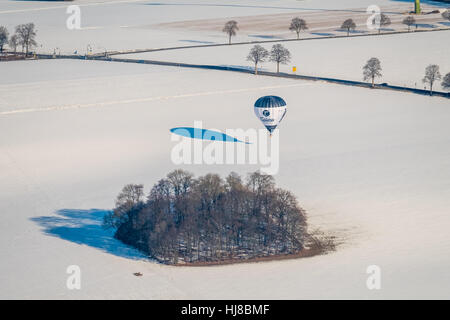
x: 194, y: 220
x: 24, y: 36
x: 372, y: 69
x: 298, y: 25
x: 277, y: 54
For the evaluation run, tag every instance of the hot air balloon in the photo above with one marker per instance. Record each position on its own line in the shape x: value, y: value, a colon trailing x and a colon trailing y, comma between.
x: 270, y: 110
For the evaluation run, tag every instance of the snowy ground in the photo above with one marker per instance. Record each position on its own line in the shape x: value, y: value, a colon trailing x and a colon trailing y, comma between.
x: 130, y: 24
x: 340, y: 58
x: 372, y: 165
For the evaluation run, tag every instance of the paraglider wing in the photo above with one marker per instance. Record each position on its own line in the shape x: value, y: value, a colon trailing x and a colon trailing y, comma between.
x: 270, y: 110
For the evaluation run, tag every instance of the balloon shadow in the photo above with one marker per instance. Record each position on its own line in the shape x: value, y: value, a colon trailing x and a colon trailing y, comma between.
x: 84, y: 227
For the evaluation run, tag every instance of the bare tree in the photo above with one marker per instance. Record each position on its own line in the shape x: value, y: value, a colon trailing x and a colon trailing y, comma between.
x: 348, y: 24
x: 432, y: 74
x: 446, y: 82
x: 230, y: 29
x: 298, y: 25
x: 409, y: 21
x: 3, y: 37
x: 14, y: 42
x: 257, y: 54
x: 280, y: 54
x: 446, y: 14
x: 372, y: 69
x: 384, y: 21
x: 27, y: 35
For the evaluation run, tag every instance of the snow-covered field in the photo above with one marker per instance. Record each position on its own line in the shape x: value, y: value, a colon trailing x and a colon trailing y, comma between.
x: 131, y: 24
x: 340, y: 58
x: 371, y: 166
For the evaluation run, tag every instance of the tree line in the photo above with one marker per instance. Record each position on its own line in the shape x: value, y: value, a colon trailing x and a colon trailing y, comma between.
x: 372, y: 69
x: 193, y: 220
x: 24, y: 36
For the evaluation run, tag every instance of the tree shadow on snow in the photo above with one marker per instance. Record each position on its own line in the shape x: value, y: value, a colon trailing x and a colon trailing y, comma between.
x: 84, y: 227
x: 356, y: 31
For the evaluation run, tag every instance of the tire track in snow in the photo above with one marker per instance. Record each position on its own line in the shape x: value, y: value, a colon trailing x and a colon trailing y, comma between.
x: 148, y: 99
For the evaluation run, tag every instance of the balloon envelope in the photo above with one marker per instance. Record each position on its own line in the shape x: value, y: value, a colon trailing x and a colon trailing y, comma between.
x: 270, y: 110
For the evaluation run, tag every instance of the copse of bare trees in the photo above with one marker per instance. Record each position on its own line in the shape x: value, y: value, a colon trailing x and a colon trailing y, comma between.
x: 432, y: 75
x: 409, y: 21
x: 207, y: 219
x: 372, y: 69
x: 446, y: 82
x: 230, y: 29
x: 298, y: 25
x: 26, y: 34
x: 279, y: 54
x: 3, y: 37
x: 257, y: 54
x: 348, y: 25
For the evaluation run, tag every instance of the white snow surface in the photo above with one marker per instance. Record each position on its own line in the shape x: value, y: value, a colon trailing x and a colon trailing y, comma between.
x: 371, y: 166
x: 336, y: 58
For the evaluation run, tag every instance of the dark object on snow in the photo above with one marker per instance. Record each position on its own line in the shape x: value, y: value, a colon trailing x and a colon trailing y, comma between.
x: 138, y: 274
